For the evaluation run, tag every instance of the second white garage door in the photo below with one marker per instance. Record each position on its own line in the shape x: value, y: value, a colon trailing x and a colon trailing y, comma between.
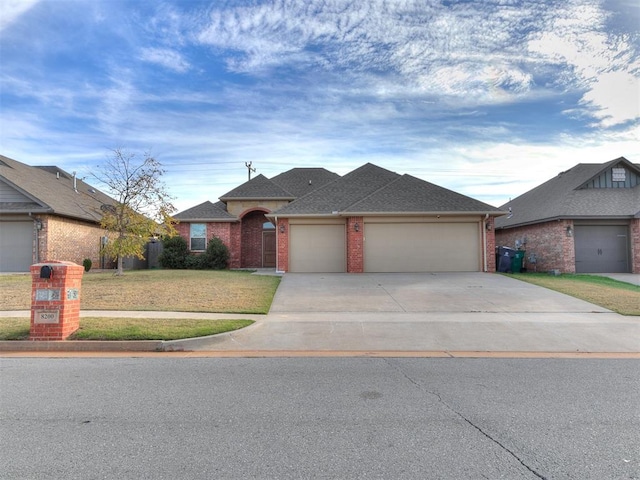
x: 422, y: 247
x: 317, y: 248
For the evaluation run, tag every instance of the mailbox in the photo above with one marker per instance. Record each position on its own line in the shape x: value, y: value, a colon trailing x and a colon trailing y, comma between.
x: 46, y: 271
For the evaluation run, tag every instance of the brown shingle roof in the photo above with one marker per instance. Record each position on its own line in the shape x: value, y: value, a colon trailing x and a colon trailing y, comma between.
x: 372, y: 189
x: 564, y: 197
x: 50, y: 190
x: 206, y: 211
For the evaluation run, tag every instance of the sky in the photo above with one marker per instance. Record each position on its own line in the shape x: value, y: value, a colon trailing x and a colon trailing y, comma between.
x: 487, y: 98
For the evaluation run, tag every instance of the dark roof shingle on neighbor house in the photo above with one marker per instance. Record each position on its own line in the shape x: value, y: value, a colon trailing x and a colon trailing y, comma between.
x: 49, y: 190
x: 371, y: 189
x: 568, y: 196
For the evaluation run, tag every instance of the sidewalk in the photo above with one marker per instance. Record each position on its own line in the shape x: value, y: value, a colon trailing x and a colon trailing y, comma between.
x: 409, y: 314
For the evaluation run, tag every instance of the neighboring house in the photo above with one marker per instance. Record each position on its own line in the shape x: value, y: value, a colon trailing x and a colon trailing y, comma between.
x: 370, y: 220
x: 585, y: 220
x: 47, y: 214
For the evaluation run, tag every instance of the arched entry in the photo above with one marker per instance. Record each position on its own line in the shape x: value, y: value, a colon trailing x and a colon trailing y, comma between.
x: 258, y: 241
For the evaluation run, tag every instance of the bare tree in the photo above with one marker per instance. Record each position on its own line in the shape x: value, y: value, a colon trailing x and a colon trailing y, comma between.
x: 142, y: 207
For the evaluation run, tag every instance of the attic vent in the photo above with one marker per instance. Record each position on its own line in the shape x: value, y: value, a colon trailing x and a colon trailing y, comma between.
x: 619, y: 174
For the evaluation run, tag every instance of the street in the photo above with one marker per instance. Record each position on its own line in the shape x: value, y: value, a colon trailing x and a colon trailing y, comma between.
x: 225, y: 418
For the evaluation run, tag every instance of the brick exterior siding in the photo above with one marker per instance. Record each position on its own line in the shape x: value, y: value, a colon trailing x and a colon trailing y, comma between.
x: 490, y: 252
x: 283, y: 244
x: 635, y: 245
x: 553, y: 248
x: 69, y: 240
x: 355, y: 245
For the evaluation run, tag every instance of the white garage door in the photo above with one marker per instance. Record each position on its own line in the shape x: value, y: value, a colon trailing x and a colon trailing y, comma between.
x: 16, y: 245
x: 422, y: 247
x: 317, y: 248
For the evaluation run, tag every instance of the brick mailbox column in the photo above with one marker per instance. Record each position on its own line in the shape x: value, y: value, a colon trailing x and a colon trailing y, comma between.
x: 55, y: 300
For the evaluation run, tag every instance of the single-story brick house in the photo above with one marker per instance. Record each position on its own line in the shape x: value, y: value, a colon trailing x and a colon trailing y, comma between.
x: 47, y: 214
x: 370, y: 220
x: 585, y: 220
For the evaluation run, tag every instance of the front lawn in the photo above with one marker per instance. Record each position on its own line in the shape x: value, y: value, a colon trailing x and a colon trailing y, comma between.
x: 219, y: 291
x: 92, y: 328
x: 620, y: 297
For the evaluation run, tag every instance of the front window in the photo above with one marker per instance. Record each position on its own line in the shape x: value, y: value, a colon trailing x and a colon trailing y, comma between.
x: 198, y: 237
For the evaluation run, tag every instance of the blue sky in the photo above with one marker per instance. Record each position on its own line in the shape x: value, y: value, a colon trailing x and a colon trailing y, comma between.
x: 487, y: 98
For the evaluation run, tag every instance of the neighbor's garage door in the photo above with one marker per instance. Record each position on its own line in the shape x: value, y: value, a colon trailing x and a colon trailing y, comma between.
x: 421, y: 247
x: 317, y: 248
x: 16, y: 244
x: 602, y: 248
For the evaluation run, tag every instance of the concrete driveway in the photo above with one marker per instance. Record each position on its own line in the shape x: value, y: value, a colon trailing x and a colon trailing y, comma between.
x: 421, y: 292
x: 443, y: 312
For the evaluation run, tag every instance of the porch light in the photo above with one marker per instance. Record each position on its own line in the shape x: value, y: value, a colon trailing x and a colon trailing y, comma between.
x: 487, y: 226
x: 356, y: 227
x: 569, y: 231
x: 282, y: 229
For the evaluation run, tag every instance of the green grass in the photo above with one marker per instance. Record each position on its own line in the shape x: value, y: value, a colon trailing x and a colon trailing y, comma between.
x: 92, y: 328
x: 621, y: 297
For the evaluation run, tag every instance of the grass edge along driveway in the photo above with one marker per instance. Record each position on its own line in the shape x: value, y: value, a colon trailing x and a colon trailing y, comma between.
x: 620, y: 297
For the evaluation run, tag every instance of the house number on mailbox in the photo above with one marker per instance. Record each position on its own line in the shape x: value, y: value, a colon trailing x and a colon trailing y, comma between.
x: 72, y: 294
x: 47, y: 294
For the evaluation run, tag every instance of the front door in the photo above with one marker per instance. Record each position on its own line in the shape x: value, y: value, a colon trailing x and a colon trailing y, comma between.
x: 269, y: 249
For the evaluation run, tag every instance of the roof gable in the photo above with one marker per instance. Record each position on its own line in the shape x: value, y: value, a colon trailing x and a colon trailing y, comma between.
x: 371, y: 189
x: 338, y: 195
x: 618, y: 173
x: 259, y: 187
x: 409, y: 194
x: 301, y: 181
x: 568, y: 195
x: 206, y: 211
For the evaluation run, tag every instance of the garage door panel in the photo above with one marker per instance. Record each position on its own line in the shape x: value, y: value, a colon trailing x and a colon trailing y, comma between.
x: 318, y: 248
x: 16, y: 244
x: 422, y: 247
x: 602, y: 248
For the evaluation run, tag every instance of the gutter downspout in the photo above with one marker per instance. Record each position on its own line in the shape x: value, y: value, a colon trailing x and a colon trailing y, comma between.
x: 484, y: 241
x: 37, y: 237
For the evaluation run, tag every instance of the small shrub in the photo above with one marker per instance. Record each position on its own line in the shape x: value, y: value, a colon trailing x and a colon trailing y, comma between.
x: 86, y: 263
x: 216, y: 256
x: 174, y: 253
x: 193, y: 262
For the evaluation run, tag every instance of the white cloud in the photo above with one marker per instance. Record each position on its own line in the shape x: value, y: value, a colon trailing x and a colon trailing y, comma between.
x: 165, y: 57
x: 10, y: 10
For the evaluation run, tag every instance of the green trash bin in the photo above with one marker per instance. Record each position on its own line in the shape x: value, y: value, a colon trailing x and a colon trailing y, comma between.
x: 517, y: 260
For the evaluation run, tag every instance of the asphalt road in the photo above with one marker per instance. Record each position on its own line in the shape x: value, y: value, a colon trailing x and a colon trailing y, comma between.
x: 223, y: 418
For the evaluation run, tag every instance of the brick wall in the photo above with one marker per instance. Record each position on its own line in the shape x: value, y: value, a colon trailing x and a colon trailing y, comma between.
x: 490, y: 253
x: 55, y: 318
x: 69, y: 240
x: 635, y: 245
x: 282, y: 229
x: 355, y: 245
x: 252, y: 226
x: 549, y: 241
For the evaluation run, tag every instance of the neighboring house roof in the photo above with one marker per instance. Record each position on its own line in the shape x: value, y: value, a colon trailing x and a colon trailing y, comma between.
x: 206, y: 211
x: 48, y: 190
x: 574, y: 194
x: 374, y: 190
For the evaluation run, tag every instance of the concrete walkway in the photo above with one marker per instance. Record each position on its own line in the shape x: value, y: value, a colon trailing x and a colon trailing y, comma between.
x: 408, y: 313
